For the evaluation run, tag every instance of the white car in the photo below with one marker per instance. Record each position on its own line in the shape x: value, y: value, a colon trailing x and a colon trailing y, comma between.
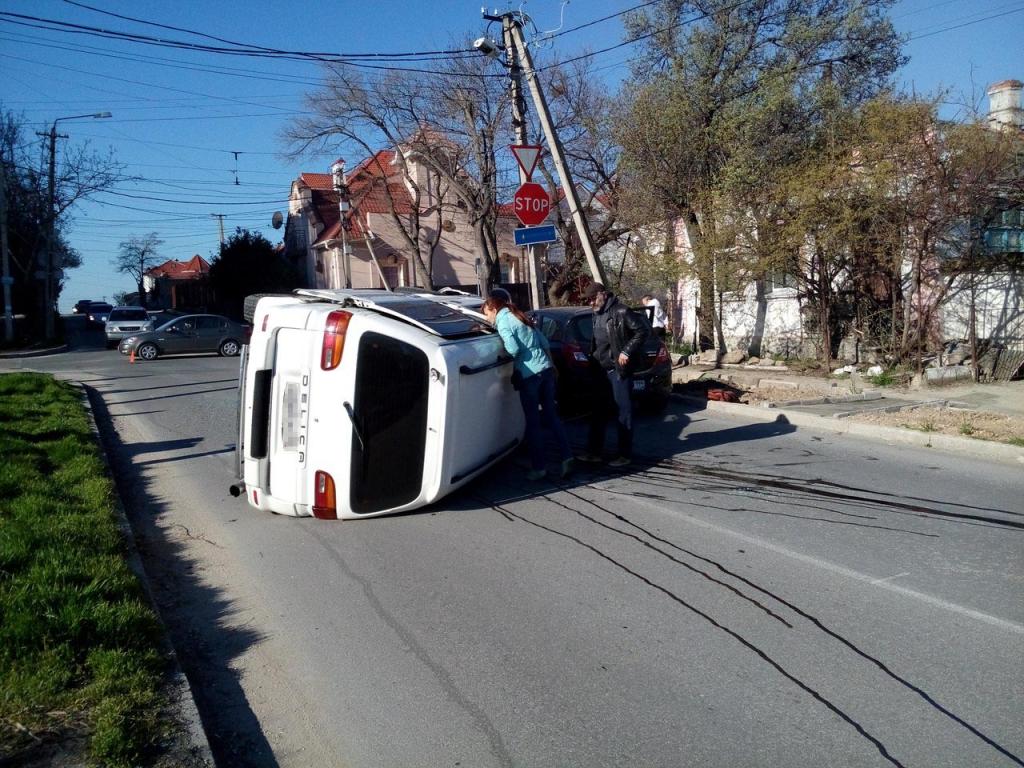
x: 126, y: 321
x: 364, y: 403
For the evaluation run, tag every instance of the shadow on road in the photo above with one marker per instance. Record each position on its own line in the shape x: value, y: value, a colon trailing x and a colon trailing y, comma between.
x: 198, y: 619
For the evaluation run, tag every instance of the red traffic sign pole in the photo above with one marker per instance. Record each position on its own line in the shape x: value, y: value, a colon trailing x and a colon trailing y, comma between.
x: 531, y: 204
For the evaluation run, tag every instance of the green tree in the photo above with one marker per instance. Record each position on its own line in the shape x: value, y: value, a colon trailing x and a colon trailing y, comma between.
x: 722, y: 84
x: 248, y: 263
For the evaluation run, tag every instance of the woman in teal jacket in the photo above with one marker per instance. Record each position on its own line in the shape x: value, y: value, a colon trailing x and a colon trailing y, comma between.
x: 533, y: 367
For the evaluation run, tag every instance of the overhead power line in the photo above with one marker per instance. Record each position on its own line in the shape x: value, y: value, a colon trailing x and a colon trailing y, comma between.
x: 231, y: 48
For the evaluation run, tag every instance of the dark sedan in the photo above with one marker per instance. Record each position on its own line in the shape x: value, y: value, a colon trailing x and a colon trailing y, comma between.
x: 189, y: 334
x: 569, y: 331
x: 98, y: 312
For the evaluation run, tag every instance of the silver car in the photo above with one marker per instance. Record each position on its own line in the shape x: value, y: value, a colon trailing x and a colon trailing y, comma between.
x: 126, y: 321
x: 189, y: 334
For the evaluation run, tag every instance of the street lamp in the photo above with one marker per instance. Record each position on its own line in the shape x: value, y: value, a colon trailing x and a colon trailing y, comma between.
x: 49, y: 295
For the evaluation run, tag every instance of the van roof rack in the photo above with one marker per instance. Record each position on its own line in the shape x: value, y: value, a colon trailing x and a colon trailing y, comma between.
x: 434, y: 316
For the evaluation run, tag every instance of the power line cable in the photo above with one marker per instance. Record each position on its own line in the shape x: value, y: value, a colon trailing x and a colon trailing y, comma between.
x: 271, y: 50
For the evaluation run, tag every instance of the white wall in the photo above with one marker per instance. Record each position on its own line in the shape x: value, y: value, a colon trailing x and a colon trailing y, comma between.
x: 999, y: 309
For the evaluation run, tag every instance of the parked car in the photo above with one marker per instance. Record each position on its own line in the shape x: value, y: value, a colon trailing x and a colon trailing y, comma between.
x: 569, y: 331
x: 358, y: 403
x: 82, y: 306
x: 188, y: 334
x: 126, y: 321
x: 98, y: 312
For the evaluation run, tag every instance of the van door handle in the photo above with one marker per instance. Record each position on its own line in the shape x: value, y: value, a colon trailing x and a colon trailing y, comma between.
x: 502, y: 360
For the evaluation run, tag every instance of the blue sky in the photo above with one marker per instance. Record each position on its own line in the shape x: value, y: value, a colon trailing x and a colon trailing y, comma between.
x: 179, y: 118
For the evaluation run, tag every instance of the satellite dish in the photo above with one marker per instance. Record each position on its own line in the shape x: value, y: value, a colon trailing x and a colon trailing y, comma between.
x: 276, y: 220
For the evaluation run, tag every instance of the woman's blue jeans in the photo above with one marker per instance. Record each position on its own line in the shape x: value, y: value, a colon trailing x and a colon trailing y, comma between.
x: 537, y: 396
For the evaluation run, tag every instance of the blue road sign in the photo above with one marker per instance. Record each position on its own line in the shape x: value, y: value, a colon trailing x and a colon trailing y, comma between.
x: 534, y: 235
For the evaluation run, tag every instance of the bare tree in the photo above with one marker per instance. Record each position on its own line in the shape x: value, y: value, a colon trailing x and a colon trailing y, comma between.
x: 448, y: 123
x: 582, y: 110
x: 81, y: 173
x: 138, y: 255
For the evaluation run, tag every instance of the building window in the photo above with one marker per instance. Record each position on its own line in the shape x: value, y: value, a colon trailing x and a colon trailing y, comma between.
x: 777, y: 279
x: 391, y: 275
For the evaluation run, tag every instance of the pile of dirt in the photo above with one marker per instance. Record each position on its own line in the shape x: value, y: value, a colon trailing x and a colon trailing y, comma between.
x: 753, y: 396
x: 983, y: 425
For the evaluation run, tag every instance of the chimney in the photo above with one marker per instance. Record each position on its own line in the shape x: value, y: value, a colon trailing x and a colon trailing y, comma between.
x: 1004, y: 110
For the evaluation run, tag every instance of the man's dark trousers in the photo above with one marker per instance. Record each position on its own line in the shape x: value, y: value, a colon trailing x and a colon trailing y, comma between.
x: 613, y: 396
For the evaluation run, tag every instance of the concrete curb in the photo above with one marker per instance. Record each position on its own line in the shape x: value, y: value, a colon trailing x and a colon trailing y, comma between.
x: 984, y: 449
x: 17, y: 354
x: 183, y: 700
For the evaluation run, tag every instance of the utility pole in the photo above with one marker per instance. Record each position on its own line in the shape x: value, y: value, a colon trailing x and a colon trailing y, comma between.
x: 555, y: 147
x: 344, y: 206
x: 7, y: 279
x: 219, y: 216
x: 51, y: 216
x: 49, y: 294
x: 519, y: 126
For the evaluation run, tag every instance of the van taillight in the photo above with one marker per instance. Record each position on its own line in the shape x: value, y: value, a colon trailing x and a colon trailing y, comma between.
x: 334, y: 339
x: 662, y: 356
x: 325, y: 504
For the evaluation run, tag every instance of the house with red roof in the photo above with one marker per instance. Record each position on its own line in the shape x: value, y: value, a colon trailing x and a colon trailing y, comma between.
x: 380, y: 250
x: 177, y: 284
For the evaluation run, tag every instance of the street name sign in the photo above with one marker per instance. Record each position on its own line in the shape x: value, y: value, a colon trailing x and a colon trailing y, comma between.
x: 535, y: 235
x: 531, y: 203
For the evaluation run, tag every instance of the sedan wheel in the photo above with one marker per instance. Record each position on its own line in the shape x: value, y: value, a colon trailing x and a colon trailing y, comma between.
x: 229, y: 348
x: 148, y: 352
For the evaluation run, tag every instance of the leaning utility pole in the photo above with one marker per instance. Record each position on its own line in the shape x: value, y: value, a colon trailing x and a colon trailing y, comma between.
x: 515, y: 32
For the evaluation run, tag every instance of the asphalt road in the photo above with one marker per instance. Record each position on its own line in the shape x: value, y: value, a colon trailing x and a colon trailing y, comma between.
x: 746, y: 595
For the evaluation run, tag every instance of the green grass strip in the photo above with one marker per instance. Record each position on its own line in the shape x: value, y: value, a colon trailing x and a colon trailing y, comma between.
x: 78, y: 641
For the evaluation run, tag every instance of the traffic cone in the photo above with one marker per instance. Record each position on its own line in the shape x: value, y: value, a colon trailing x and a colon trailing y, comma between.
x: 131, y: 357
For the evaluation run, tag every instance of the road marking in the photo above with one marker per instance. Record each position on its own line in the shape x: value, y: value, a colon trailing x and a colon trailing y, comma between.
x: 849, y: 573
x: 890, y: 578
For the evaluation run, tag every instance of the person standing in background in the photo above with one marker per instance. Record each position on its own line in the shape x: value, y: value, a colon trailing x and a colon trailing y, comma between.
x: 617, y: 347
x: 659, y: 320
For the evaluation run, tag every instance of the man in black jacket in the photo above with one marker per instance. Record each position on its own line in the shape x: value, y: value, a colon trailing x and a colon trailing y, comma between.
x: 619, y: 336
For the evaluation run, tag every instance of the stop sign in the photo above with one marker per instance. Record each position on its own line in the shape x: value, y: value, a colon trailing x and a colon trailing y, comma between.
x: 532, y: 203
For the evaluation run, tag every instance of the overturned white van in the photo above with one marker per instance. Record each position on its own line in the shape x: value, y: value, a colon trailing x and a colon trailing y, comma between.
x: 364, y: 403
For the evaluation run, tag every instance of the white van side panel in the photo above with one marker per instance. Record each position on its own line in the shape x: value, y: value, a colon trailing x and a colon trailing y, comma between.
x: 483, y: 417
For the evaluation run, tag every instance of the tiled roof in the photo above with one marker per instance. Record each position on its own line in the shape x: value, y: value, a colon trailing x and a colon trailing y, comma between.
x: 367, y: 193
x: 195, y: 267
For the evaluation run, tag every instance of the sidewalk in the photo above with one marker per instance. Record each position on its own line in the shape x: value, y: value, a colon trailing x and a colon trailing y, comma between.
x: 827, y: 404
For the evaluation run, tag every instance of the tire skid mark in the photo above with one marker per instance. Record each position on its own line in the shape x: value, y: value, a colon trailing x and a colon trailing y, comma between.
x: 831, y: 706
x: 814, y: 621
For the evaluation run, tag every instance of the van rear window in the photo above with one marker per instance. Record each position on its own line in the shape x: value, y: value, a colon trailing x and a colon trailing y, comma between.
x: 390, y: 413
